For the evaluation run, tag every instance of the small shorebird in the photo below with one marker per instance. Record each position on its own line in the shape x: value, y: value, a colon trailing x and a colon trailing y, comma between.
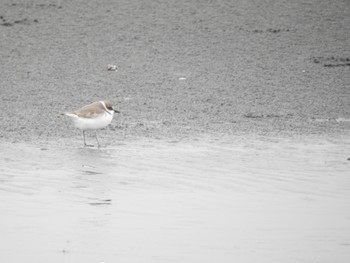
x: 94, y: 116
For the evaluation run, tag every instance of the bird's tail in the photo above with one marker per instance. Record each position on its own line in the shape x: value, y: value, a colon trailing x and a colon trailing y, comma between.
x: 69, y: 114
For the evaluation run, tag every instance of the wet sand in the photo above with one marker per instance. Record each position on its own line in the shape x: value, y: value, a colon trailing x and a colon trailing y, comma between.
x: 185, y: 69
x: 231, y: 145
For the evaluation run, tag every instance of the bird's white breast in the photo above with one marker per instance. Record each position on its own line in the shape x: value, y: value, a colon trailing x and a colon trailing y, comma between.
x: 92, y: 123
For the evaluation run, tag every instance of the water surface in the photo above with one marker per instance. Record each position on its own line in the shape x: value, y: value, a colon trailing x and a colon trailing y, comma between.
x: 253, y: 200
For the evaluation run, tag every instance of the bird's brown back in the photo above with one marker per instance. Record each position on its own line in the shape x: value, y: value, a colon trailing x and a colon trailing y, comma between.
x: 90, y: 111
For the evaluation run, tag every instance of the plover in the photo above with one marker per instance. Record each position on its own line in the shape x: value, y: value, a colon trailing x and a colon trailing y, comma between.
x: 96, y: 115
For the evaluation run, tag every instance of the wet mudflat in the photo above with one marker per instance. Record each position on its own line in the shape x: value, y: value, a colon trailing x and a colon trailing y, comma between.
x: 254, y: 199
x: 185, y: 68
x: 253, y: 96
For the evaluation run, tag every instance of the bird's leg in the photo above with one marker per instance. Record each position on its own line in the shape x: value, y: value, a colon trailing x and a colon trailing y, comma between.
x: 86, y: 145
x: 84, y: 138
x: 98, y: 143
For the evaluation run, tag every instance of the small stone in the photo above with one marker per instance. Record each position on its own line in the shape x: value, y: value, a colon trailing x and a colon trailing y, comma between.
x: 111, y: 67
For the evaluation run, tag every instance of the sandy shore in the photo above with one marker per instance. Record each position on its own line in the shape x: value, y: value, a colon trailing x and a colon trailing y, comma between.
x: 185, y: 69
x: 269, y: 77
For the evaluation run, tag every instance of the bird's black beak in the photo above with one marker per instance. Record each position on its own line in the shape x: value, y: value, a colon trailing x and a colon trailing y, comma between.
x: 116, y: 111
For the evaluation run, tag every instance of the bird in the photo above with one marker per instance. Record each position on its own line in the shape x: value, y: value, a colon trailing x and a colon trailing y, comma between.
x: 94, y: 116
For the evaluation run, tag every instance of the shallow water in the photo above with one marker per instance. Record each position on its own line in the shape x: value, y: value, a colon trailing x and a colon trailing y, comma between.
x: 253, y: 200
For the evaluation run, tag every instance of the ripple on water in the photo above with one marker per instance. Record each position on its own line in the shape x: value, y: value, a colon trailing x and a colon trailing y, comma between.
x: 316, y: 169
x: 173, y: 201
x: 264, y: 166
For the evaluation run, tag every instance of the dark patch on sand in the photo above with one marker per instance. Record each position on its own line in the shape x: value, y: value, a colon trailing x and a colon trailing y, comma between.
x: 271, y: 30
x: 331, y: 62
x: 24, y: 21
x: 262, y: 116
x: 29, y: 5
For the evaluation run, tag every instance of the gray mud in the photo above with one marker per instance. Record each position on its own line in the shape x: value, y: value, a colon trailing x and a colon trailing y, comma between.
x: 185, y: 69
